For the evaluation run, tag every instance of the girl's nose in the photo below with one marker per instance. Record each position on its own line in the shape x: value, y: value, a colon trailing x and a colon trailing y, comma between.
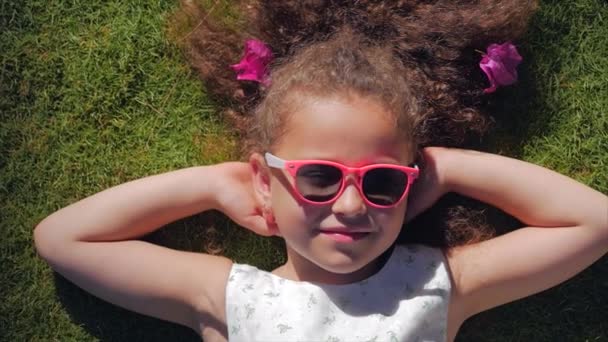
x: 350, y: 202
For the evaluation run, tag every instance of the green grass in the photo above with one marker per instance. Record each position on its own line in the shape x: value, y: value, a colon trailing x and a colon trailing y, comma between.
x: 93, y: 94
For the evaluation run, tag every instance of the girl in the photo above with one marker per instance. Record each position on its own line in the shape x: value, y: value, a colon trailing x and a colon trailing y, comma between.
x: 339, y: 130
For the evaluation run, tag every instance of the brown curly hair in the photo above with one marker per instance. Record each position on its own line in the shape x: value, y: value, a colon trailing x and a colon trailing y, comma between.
x: 426, y: 49
x: 340, y: 66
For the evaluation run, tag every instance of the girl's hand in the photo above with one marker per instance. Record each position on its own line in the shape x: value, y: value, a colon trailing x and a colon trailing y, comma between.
x: 236, y: 199
x: 430, y: 185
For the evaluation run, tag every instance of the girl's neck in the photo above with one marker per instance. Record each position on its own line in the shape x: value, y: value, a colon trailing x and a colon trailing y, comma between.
x: 298, y: 268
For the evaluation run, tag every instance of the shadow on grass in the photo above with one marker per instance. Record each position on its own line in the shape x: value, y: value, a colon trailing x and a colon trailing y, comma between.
x: 107, y: 322
x: 576, y: 310
x: 203, y: 232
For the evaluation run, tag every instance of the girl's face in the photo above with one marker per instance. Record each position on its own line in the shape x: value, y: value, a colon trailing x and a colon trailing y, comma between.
x: 353, y: 131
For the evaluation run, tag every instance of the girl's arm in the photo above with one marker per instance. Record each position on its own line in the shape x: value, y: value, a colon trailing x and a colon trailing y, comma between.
x: 567, y: 229
x: 92, y: 243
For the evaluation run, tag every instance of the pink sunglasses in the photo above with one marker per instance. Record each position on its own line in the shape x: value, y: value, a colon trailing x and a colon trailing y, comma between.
x: 322, y: 181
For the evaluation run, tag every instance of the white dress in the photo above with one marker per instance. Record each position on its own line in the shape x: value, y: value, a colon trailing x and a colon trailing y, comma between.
x: 407, y: 300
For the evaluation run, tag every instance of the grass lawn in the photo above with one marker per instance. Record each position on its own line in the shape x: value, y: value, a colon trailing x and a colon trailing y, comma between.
x: 95, y: 93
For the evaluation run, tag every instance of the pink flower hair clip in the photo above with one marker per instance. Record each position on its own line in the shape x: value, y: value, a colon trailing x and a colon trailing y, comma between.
x: 500, y: 63
x: 254, y: 65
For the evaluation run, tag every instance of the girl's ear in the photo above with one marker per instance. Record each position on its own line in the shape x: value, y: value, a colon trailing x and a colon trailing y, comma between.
x: 261, y: 185
x: 261, y: 178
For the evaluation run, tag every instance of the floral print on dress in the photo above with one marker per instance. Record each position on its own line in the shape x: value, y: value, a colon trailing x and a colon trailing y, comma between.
x: 329, y: 320
x: 248, y: 287
x: 283, y: 328
x: 249, y: 310
x: 235, y: 329
x: 271, y: 294
x: 311, y: 301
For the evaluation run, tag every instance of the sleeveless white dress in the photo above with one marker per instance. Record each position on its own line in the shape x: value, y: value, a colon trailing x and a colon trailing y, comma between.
x: 407, y: 300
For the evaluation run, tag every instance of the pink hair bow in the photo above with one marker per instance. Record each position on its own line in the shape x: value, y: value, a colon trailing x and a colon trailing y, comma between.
x: 500, y: 65
x: 254, y: 65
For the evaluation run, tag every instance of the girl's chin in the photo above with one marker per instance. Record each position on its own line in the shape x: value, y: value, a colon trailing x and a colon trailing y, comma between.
x: 345, y: 266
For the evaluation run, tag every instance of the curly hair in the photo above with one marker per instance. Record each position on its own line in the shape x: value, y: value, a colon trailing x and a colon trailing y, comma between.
x: 427, y: 49
x: 340, y: 66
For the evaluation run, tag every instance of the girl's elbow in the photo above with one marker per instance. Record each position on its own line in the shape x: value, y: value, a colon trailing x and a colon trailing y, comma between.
x: 42, y: 241
x: 48, y: 244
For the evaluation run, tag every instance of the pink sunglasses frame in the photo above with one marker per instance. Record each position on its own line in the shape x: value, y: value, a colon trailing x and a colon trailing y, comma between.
x: 292, y: 167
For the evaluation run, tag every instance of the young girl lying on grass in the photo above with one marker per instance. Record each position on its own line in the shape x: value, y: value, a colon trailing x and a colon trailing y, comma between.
x: 342, y: 121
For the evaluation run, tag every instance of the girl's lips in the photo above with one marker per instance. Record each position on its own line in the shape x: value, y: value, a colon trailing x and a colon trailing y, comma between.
x: 344, y: 236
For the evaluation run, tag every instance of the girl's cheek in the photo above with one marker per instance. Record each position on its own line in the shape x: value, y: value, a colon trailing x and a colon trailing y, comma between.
x: 392, y: 219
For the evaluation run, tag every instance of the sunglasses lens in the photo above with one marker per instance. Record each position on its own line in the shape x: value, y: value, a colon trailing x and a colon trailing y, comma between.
x: 384, y: 186
x: 318, y: 182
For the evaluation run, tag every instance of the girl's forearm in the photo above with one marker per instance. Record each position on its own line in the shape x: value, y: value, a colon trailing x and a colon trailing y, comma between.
x: 535, y: 195
x: 134, y: 208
